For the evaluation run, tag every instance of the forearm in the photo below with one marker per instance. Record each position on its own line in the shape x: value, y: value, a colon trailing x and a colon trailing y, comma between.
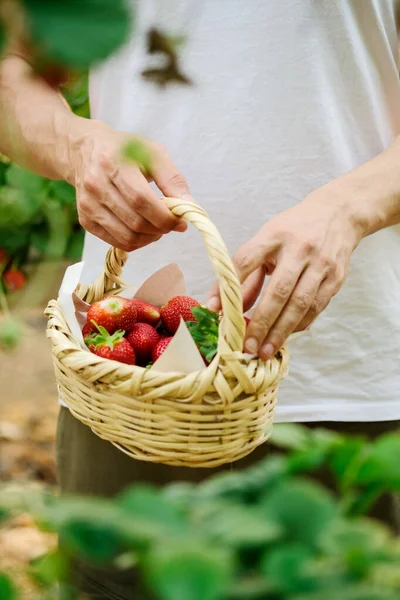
x: 37, y: 128
x: 370, y: 194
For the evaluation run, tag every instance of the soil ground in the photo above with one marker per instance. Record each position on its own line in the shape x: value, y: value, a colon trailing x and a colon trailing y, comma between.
x: 28, y: 413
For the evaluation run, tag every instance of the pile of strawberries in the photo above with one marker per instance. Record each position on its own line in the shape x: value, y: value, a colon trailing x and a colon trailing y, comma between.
x: 133, y: 331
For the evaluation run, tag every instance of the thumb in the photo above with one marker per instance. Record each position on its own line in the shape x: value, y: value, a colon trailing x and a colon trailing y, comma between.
x: 170, y: 181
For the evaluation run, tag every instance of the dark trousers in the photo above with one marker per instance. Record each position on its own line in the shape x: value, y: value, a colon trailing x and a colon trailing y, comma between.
x: 89, y: 465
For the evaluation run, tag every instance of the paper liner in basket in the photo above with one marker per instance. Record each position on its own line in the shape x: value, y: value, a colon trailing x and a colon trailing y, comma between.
x: 181, y: 354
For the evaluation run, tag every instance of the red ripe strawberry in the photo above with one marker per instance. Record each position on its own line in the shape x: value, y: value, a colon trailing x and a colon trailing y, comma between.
x: 88, y: 328
x: 113, y: 313
x: 14, y: 280
x: 146, y: 313
x: 180, y: 306
x: 114, y: 347
x: 160, y: 347
x: 143, y: 337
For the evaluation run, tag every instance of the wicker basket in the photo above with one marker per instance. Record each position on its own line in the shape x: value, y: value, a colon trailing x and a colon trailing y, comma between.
x: 203, y: 419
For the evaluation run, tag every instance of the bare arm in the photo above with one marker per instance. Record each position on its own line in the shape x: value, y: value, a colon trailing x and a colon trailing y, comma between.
x: 36, y: 125
x: 114, y: 199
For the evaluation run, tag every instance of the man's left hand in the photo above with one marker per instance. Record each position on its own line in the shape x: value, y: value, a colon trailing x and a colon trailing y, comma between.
x: 306, y: 250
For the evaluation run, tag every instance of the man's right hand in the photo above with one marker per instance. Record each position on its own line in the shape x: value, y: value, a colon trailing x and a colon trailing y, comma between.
x: 114, y: 199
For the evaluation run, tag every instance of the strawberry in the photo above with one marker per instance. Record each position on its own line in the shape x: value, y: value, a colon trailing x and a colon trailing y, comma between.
x: 146, y: 313
x: 88, y: 328
x: 114, y: 347
x: 160, y: 347
x: 14, y: 280
x: 143, y: 337
x: 180, y: 306
x: 113, y: 313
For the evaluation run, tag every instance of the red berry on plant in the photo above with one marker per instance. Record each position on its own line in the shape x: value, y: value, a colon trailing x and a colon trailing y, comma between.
x: 14, y: 280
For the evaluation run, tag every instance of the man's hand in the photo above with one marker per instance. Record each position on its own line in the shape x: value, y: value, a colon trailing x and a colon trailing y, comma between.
x: 306, y: 250
x: 115, y: 201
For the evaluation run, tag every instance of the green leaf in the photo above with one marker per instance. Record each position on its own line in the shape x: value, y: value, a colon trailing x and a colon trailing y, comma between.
x: 14, y: 238
x: 290, y: 436
x: 302, y: 508
x: 62, y: 191
x: 188, y: 571
x: 150, y: 506
x: 359, y: 543
x: 383, y: 463
x: 78, y: 33
x: 96, y: 541
x: 11, y: 332
x: 75, y: 245
x: 204, y: 331
x: 22, y: 179
x: 250, y: 587
x: 3, y: 36
x: 286, y: 568
x: 237, y: 526
x: 7, y: 589
x: 139, y: 153
x: 347, y: 459
x: 17, y: 208
x: 49, y: 568
x: 40, y: 237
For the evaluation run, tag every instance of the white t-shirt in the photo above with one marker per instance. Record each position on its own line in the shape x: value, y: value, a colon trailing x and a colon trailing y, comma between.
x: 286, y: 96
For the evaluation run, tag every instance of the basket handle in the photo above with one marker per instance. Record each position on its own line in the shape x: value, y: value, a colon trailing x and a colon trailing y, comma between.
x: 232, y: 327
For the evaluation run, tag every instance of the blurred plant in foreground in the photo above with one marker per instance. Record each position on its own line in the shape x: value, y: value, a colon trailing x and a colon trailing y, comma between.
x: 266, y: 533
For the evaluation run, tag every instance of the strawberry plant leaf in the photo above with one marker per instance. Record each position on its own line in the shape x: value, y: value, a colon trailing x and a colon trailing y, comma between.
x: 302, y: 508
x: 204, y: 331
x: 78, y: 33
x: 187, y: 570
x: 7, y: 590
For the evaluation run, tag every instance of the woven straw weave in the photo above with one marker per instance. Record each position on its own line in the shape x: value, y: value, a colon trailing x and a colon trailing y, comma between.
x: 203, y: 419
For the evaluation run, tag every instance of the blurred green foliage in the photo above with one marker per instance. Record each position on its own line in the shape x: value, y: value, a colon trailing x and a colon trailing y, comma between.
x: 267, y: 533
x: 38, y: 217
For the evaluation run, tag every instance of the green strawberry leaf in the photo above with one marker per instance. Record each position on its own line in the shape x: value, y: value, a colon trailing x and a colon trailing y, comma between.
x: 78, y: 33
x: 204, y: 331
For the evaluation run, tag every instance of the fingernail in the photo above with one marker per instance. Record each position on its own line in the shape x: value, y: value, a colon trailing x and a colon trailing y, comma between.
x: 213, y: 304
x: 251, y: 346
x: 267, y: 351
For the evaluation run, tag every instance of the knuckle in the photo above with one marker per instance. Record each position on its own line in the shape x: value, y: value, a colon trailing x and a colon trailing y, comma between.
x: 302, y: 301
x: 84, y: 221
x: 91, y: 183
x: 328, y: 263
x: 259, y: 323
x: 137, y: 199
x: 307, y: 246
x: 107, y: 160
x: 84, y: 204
x: 243, y: 262
x: 281, y: 291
